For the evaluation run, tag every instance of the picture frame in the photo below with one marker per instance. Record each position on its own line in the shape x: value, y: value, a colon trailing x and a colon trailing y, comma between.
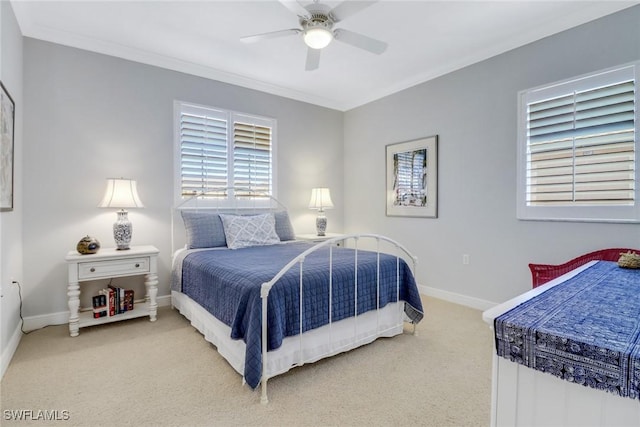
x: 7, y: 136
x: 412, y: 178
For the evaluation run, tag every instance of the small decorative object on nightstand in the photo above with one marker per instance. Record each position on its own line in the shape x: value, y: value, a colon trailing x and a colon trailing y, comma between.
x: 107, y: 264
x: 321, y: 200
x: 121, y: 193
x: 88, y: 245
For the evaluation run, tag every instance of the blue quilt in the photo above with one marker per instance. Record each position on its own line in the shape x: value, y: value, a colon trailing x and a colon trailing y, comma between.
x: 227, y: 284
x: 585, y: 330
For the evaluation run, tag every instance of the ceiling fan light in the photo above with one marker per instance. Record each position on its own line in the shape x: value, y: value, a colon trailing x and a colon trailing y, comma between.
x: 318, y: 37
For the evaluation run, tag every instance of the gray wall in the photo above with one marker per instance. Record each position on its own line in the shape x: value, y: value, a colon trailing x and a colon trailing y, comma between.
x: 11, y: 221
x: 474, y: 112
x: 89, y: 116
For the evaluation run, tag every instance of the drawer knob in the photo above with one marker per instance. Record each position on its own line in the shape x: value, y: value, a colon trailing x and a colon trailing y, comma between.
x: 137, y: 265
x: 93, y: 270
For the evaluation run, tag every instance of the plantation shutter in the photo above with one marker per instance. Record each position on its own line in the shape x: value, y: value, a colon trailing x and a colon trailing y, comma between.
x: 581, y: 147
x: 252, y: 156
x: 203, y: 150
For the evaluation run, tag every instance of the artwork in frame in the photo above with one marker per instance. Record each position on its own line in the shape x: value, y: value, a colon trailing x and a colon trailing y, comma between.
x: 412, y: 178
x: 7, y: 122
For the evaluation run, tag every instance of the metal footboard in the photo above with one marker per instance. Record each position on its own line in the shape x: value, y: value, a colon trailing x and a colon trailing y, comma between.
x: 399, y: 251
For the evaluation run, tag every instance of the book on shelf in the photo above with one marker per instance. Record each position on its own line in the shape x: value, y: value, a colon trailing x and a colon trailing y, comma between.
x: 118, y: 300
x: 128, y: 299
x: 110, y: 297
x: 99, y: 306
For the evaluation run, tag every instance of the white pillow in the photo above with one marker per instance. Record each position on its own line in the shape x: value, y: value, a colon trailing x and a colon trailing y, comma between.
x: 243, y: 231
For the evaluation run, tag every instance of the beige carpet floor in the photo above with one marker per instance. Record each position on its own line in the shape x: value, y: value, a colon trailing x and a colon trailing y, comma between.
x: 141, y: 373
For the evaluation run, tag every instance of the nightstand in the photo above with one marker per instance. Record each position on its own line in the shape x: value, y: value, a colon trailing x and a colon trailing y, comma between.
x: 314, y: 238
x: 106, y: 264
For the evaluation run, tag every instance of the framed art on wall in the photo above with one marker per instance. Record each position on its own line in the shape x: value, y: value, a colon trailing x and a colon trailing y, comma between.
x: 412, y: 178
x: 7, y: 121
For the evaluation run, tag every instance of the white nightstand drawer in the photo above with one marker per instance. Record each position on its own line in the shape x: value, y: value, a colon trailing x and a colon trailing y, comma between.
x: 110, y: 268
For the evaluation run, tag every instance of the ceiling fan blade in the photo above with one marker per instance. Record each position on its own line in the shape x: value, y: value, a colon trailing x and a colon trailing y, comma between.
x: 348, y: 8
x: 358, y: 40
x: 313, y: 59
x: 271, y: 35
x: 296, y: 8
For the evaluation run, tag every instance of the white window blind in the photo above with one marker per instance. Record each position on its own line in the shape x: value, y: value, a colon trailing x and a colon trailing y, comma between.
x: 581, y: 146
x: 218, y: 149
x: 203, y: 150
x: 252, y: 156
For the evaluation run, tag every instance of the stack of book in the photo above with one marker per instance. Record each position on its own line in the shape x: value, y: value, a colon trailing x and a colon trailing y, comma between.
x: 112, y: 301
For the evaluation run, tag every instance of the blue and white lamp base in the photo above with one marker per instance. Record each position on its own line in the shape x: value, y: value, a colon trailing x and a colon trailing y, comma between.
x: 122, y: 230
x: 321, y: 223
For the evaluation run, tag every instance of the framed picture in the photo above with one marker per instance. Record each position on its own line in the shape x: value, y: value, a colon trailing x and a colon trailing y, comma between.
x: 7, y: 122
x: 412, y: 178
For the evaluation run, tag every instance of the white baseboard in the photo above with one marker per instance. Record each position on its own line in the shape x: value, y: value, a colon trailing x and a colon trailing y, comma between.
x: 9, y: 351
x: 477, y: 303
x: 37, y: 322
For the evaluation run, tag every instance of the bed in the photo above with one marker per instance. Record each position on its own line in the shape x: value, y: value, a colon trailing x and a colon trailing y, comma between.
x: 246, y: 299
x: 568, y: 351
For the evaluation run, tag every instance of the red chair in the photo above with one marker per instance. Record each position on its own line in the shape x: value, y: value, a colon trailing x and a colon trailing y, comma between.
x: 542, y: 273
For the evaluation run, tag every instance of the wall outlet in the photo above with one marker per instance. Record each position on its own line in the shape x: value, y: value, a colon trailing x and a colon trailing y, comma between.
x: 465, y: 259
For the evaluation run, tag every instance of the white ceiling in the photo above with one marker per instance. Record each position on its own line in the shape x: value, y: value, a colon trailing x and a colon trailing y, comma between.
x: 425, y: 39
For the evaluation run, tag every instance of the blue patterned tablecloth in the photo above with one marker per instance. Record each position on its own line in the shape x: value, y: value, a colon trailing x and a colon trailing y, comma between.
x: 585, y: 330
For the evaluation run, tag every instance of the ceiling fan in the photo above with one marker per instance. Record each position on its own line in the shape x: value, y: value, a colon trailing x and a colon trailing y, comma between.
x: 317, y: 21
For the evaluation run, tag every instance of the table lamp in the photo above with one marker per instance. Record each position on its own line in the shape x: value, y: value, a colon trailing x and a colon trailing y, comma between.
x: 321, y: 200
x: 121, y: 193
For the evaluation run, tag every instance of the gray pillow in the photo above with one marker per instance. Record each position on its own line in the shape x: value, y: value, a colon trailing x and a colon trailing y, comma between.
x: 204, y: 229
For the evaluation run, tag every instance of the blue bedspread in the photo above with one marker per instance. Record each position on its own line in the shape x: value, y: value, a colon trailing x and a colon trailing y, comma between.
x: 227, y: 284
x: 585, y: 330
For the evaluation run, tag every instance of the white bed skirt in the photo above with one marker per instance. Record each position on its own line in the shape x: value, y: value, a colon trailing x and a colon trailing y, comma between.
x: 317, y: 344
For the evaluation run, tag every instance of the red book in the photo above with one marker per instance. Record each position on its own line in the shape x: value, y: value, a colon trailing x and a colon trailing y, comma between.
x: 128, y: 299
x: 111, y: 301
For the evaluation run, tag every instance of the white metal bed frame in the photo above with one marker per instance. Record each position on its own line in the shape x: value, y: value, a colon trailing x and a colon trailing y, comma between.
x: 299, y: 261
x: 390, y: 246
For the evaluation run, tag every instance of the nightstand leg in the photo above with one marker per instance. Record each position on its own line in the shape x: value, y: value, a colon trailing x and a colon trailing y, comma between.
x: 151, y: 282
x: 74, y: 305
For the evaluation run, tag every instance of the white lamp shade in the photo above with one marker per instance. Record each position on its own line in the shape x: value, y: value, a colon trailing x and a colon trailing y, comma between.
x: 320, y: 199
x: 121, y: 193
x: 317, y: 37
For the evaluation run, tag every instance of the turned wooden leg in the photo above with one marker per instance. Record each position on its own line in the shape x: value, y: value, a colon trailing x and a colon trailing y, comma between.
x: 151, y: 282
x: 74, y: 305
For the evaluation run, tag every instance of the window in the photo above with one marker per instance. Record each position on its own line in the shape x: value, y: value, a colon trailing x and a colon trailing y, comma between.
x: 578, y: 150
x: 218, y: 149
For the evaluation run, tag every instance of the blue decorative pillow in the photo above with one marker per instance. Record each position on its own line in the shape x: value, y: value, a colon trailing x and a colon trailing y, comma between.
x: 284, y: 229
x: 204, y: 229
x: 251, y: 230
